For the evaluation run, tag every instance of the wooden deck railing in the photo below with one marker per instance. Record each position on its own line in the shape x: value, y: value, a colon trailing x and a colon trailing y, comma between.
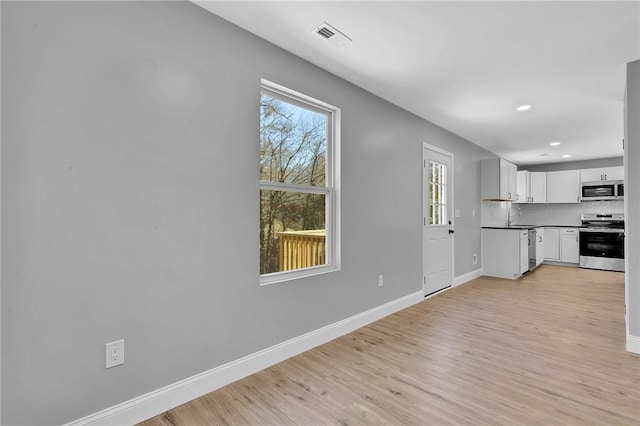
x: 302, y: 249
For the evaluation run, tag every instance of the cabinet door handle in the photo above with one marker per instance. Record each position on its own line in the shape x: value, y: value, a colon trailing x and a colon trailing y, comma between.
x: 532, y: 199
x: 540, y: 239
x: 509, y: 195
x: 605, y: 177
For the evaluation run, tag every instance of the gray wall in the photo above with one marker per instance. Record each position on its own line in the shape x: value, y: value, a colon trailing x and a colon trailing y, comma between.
x: 130, y: 202
x: 632, y: 198
x: 574, y: 165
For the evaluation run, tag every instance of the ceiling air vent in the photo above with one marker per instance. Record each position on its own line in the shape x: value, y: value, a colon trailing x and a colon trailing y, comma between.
x: 328, y: 32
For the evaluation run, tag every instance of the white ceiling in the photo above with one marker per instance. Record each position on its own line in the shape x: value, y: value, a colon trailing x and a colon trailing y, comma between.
x: 466, y: 66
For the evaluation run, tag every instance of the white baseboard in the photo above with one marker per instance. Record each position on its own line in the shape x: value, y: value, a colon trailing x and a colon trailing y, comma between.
x: 467, y: 277
x: 168, y: 397
x: 633, y: 344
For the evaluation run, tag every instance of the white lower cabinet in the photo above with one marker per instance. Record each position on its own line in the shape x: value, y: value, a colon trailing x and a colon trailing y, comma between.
x: 539, y: 245
x: 562, y: 245
x: 570, y: 245
x: 524, y: 252
x: 505, y: 252
x: 552, y: 244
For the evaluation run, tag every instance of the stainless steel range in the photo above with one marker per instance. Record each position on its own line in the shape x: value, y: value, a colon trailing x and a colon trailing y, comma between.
x: 602, y: 241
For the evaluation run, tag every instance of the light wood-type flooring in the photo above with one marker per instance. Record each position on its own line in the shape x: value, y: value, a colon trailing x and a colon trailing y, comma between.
x: 548, y: 349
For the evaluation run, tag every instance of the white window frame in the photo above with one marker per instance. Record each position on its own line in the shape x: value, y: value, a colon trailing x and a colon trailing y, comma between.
x: 331, y: 190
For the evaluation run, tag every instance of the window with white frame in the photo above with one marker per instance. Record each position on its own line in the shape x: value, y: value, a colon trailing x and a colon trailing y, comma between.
x: 299, y: 200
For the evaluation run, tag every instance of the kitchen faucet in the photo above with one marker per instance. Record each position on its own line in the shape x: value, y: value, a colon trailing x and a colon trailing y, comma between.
x: 509, y: 214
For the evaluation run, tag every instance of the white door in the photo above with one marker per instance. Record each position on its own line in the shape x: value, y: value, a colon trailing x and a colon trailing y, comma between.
x: 437, y: 204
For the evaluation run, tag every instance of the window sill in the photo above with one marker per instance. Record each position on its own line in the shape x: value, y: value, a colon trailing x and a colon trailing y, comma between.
x: 278, y: 277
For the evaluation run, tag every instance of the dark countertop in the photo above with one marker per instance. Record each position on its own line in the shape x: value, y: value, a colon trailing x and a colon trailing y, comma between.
x: 521, y: 227
x: 512, y: 227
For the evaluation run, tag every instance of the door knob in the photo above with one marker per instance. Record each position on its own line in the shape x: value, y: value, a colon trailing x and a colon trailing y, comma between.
x: 451, y: 231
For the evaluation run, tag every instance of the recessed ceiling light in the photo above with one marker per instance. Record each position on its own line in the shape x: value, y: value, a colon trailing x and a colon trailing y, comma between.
x: 544, y: 155
x: 566, y: 156
x: 524, y: 107
x: 554, y: 143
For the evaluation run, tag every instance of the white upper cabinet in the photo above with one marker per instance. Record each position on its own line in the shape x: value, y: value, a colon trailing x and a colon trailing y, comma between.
x: 563, y: 186
x: 614, y: 173
x: 538, y: 193
x: 531, y: 187
x: 602, y: 173
x: 523, y: 187
x: 512, y: 180
x: 498, y: 179
x: 591, y: 175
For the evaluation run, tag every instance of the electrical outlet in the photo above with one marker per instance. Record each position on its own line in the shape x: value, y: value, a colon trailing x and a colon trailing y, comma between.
x: 380, y: 280
x: 475, y: 259
x: 114, y: 353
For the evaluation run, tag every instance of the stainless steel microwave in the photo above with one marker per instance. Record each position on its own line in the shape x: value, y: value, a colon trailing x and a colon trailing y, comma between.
x: 602, y: 190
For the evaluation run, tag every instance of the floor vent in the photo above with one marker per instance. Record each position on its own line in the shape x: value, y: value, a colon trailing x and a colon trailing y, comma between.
x: 328, y: 32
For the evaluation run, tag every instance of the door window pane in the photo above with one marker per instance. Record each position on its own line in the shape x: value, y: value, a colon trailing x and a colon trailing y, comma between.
x: 437, y: 193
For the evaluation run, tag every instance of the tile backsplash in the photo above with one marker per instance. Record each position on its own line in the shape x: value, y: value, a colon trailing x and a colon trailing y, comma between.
x: 495, y: 213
